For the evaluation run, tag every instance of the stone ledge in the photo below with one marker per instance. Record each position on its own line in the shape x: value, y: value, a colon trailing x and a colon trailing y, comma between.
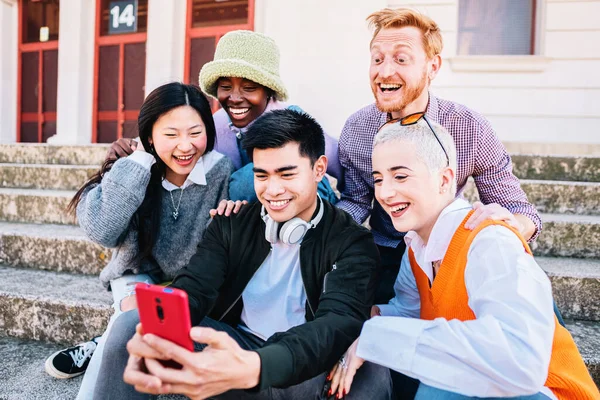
x: 51, y: 306
x: 587, y: 338
x: 35, y: 206
x: 61, y: 248
x: 575, y: 286
x: 560, y: 168
x: 553, y: 148
x: 575, y: 236
x: 45, y: 176
x: 34, y: 153
x: 22, y: 375
x: 563, y: 197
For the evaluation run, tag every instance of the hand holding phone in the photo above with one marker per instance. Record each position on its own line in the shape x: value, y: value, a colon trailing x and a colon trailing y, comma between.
x: 165, y: 312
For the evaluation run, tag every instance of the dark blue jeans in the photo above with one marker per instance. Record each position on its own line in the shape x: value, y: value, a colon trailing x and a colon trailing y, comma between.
x: 430, y: 393
x: 406, y: 388
x: 371, y: 382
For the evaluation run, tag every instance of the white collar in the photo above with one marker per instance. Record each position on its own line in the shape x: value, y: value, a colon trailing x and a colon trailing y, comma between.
x: 198, y: 174
x: 443, y: 230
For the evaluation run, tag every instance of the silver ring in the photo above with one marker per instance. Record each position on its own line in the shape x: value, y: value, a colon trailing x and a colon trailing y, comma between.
x: 343, y: 363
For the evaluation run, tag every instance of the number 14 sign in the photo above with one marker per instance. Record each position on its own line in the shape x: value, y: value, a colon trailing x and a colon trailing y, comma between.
x: 123, y: 16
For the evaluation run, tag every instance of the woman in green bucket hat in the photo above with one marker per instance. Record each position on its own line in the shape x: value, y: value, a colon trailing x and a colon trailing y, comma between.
x: 244, y: 78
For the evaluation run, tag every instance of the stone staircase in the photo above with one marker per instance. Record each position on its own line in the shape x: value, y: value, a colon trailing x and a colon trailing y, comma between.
x: 566, y: 192
x: 50, y: 294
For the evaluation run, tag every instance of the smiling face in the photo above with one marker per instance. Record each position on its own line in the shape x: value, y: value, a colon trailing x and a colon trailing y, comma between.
x: 179, y: 139
x: 242, y: 99
x: 400, y: 71
x: 408, y: 191
x: 286, y: 183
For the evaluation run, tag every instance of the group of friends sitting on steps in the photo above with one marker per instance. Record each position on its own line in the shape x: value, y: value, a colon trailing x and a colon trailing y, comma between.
x: 290, y: 296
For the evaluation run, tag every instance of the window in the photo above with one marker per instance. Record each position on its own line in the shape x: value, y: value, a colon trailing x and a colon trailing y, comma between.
x: 120, y: 69
x: 496, y: 27
x: 38, y: 70
x: 38, y: 15
x: 207, y: 21
x: 219, y: 12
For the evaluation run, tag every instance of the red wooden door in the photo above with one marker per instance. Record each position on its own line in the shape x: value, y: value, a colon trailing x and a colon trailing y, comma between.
x: 37, y: 70
x: 119, y: 76
x: 207, y: 21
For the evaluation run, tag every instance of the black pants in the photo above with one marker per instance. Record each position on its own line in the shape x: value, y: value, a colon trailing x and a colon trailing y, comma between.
x: 371, y: 382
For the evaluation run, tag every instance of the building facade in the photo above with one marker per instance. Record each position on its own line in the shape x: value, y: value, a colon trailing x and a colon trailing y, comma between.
x: 76, y: 72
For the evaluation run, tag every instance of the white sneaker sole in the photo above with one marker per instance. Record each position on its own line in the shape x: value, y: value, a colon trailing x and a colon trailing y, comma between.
x: 53, y: 372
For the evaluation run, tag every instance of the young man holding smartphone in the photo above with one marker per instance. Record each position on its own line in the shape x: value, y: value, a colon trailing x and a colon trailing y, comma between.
x: 279, y: 291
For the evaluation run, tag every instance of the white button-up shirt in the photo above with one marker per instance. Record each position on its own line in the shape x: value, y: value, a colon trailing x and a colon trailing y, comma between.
x: 505, y: 352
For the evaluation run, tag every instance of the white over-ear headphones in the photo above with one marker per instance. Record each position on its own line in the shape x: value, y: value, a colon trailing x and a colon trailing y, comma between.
x: 292, y: 231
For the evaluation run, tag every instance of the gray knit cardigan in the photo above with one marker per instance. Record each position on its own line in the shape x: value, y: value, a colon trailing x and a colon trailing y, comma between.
x: 106, y: 212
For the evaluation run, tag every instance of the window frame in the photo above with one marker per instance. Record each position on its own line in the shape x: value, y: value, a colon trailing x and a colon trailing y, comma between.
x: 216, y: 31
x: 536, y: 62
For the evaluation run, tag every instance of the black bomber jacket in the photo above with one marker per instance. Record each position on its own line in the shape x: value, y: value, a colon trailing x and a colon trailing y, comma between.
x: 338, y: 262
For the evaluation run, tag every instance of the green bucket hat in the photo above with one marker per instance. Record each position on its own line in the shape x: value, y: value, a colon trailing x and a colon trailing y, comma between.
x: 244, y: 54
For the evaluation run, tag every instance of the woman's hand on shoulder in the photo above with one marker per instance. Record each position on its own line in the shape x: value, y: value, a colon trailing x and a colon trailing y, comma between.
x: 227, y: 206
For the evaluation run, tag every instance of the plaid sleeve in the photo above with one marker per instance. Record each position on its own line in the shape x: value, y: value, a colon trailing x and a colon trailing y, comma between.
x: 357, y: 196
x: 495, y: 180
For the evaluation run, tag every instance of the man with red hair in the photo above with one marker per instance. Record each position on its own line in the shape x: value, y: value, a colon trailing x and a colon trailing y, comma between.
x: 405, y: 58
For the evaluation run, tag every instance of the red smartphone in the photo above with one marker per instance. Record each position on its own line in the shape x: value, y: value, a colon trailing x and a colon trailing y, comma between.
x: 165, y: 312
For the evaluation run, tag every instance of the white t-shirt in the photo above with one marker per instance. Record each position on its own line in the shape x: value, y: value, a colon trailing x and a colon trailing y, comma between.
x: 275, y: 298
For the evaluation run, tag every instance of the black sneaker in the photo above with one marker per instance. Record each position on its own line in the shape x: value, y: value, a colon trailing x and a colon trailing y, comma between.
x: 71, y: 362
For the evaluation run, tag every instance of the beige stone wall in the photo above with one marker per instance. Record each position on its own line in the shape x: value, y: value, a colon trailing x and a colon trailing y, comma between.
x: 549, y: 98
x: 324, y: 54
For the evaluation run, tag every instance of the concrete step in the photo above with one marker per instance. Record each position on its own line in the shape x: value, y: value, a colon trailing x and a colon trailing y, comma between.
x: 557, y: 168
x: 61, y: 248
x: 41, y: 153
x: 45, y: 176
x: 52, y: 306
x: 560, y: 197
x: 22, y: 375
x: 565, y: 235
x: 552, y: 148
x: 587, y: 336
x: 36, y: 205
x: 575, y: 286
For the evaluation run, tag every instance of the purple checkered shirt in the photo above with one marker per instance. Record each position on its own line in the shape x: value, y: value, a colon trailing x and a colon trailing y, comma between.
x: 479, y: 151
